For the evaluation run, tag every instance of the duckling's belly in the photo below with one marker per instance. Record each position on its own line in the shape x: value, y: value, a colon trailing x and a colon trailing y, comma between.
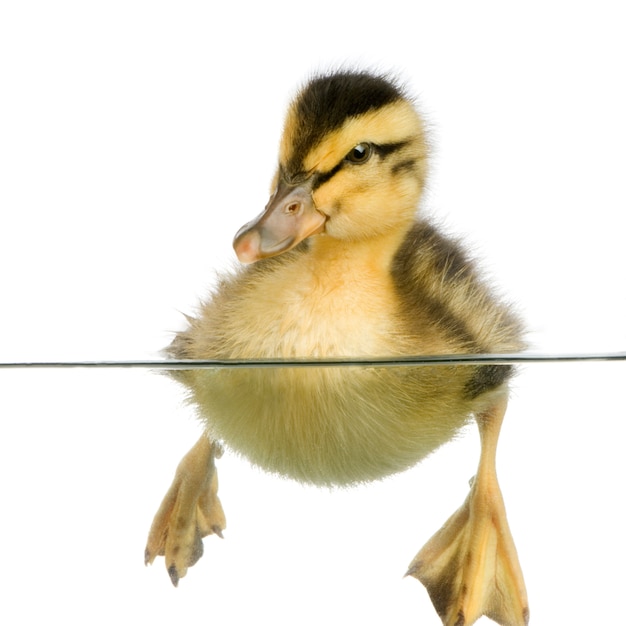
x: 332, y: 425
x: 324, y: 425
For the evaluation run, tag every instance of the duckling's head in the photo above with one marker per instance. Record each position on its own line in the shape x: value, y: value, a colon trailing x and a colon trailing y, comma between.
x: 352, y: 165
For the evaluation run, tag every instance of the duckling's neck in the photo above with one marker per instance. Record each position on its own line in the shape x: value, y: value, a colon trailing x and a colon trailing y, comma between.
x: 373, y: 254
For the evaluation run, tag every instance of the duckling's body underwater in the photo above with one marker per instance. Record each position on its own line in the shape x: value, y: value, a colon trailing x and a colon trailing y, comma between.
x: 338, y: 265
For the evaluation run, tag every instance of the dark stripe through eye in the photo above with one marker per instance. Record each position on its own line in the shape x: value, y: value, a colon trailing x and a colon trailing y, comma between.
x: 382, y: 151
x: 323, y: 177
x: 389, y: 148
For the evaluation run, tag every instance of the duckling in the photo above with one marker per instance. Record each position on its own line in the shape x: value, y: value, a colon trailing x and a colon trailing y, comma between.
x: 339, y: 266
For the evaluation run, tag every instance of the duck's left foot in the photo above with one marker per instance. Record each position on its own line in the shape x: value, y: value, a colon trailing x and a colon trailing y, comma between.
x: 190, y: 511
x: 470, y: 566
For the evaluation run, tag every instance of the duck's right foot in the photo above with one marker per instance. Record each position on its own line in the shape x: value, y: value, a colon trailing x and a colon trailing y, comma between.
x: 470, y: 566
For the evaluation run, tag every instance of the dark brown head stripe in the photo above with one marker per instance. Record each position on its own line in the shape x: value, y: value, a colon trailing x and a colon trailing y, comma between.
x: 327, y: 101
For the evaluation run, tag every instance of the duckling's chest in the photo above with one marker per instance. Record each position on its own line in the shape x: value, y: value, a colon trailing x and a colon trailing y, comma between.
x: 304, y: 312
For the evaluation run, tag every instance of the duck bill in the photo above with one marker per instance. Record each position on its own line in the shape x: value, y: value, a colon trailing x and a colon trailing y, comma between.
x: 289, y: 217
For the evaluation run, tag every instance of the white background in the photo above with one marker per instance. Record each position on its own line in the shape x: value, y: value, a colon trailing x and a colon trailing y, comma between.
x: 135, y: 138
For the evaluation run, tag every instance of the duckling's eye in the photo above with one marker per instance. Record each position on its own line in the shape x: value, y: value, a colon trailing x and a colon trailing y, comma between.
x: 360, y: 153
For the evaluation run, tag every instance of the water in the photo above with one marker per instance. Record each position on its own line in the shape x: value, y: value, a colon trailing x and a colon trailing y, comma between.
x: 86, y: 455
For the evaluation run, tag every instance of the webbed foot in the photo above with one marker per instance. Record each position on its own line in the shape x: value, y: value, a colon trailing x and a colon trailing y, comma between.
x: 189, y: 511
x: 470, y: 566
